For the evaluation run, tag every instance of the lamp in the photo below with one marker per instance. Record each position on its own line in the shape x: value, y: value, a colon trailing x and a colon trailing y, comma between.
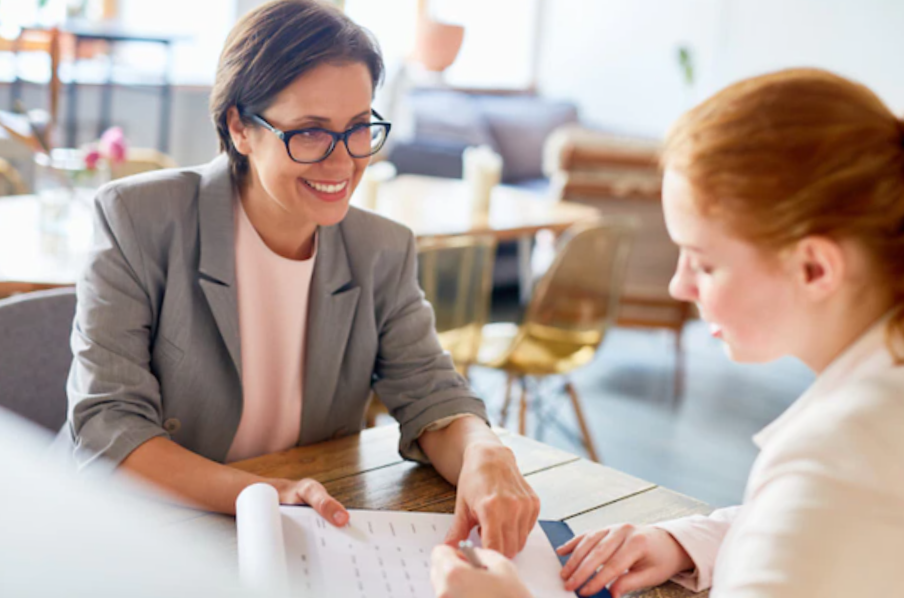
x: 437, y: 44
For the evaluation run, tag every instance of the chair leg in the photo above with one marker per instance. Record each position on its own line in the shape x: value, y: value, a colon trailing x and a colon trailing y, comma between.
x: 579, y: 413
x: 522, y: 414
x: 503, y: 415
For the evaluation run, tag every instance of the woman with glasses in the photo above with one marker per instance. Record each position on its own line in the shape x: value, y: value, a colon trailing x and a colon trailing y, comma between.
x: 242, y: 307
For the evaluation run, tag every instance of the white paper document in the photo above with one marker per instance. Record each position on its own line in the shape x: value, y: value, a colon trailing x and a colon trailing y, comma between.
x: 379, y: 554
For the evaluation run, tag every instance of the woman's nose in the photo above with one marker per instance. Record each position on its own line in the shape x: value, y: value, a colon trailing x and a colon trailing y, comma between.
x: 681, y: 287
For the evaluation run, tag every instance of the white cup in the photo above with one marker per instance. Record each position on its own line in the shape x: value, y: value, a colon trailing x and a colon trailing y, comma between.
x: 482, y: 171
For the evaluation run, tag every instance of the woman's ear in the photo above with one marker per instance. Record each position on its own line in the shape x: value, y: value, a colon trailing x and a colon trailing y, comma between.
x: 238, y: 131
x: 820, y: 264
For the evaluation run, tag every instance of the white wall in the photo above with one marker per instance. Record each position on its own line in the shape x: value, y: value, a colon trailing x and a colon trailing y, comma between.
x: 618, y: 58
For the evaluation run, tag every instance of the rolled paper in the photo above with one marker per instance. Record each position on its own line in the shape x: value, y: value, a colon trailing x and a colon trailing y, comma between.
x: 261, y: 548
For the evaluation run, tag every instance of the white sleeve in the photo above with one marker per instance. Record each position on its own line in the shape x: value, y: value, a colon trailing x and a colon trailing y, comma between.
x: 701, y: 537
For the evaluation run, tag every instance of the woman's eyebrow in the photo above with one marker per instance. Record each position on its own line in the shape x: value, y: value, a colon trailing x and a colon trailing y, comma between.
x: 322, y: 120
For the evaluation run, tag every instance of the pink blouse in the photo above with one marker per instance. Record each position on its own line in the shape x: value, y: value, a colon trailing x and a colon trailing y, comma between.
x: 273, y: 307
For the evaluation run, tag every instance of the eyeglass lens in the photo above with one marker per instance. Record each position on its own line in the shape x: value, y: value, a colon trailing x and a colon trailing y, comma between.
x: 311, y: 146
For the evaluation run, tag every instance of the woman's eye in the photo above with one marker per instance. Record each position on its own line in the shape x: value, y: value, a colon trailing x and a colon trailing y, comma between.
x: 701, y: 269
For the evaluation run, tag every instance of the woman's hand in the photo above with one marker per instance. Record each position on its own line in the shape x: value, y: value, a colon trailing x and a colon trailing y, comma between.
x: 453, y: 577
x: 493, y: 494
x: 310, y: 492
x: 632, y: 557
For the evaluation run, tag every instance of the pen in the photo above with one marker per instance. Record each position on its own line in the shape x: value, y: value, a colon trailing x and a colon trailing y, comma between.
x: 467, y: 548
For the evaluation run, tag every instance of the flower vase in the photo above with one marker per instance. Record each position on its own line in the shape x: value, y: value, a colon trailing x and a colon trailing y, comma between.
x: 66, y: 186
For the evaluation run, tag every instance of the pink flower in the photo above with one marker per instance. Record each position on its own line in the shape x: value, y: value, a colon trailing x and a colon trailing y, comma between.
x: 92, y: 157
x: 113, y: 145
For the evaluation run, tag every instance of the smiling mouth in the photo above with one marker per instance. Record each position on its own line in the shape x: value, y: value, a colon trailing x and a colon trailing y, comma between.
x: 326, y: 187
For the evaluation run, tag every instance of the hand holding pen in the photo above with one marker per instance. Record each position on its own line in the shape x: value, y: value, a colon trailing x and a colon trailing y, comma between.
x: 474, y: 573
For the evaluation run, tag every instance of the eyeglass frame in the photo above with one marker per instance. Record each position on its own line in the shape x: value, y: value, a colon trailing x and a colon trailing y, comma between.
x: 286, y: 136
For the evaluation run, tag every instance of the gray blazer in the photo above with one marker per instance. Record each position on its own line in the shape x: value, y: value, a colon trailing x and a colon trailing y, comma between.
x: 156, y: 335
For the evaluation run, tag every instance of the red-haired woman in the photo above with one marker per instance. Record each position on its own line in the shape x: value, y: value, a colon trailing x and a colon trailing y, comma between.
x: 785, y: 194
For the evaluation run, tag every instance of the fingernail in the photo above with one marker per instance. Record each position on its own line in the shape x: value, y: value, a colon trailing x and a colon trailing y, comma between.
x: 339, y: 518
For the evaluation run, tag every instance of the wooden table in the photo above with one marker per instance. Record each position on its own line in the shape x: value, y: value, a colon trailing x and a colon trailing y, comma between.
x: 365, y: 472
x: 32, y: 258
x: 438, y: 207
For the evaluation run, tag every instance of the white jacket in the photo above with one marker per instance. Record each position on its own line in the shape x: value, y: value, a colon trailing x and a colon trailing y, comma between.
x: 823, y: 513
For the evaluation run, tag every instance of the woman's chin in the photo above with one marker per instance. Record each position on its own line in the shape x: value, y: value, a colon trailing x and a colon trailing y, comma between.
x: 742, y: 354
x: 331, y: 214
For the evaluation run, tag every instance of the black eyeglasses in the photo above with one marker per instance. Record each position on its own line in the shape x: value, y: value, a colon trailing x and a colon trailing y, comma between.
x: 312, y: 145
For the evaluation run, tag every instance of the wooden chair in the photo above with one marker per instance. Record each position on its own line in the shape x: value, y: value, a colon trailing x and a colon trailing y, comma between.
x: 456, y: 275
x: 621, y: 176
x: 11, y: 182
x: 575, y: 303
x: 140, y: 160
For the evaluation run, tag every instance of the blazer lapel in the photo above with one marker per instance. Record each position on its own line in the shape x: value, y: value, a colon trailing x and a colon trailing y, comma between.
x: 217, y: 259
x: 332, y: 304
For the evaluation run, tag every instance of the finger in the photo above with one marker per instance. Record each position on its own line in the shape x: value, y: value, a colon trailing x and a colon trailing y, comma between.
x: 462, y: 524
x: 635, y: 580
x: 446, y: 556
x: 528, y: 521
x: 614, y: 568
x: 535, y: 516
x: 508, y: 522
x: 314, y: 494
x: 494, y: 561
x: 599, y: 555
x: 580, y: 552
x: 492, y: 536
x: 567, y: 547
x: 443, y: 562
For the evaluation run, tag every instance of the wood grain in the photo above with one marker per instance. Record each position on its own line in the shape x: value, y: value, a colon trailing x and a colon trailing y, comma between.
x: 402, y: 487
x: 651, y: 506
x: 375, y: 448
x: 371, y: 449
x: 580, y: 486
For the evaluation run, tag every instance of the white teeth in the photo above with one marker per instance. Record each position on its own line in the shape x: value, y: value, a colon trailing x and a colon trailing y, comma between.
x: 327, y: 188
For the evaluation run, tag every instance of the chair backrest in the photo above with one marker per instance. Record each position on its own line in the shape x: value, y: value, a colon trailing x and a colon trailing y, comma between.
x: 141, y: 160
x: 456, y: 275
x: 11, y: 182
x: 621, y: 177
x: 35, y: 355
x: 577, y: 300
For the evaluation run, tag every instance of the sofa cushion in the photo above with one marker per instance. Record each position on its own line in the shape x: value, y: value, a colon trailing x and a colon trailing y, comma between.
x: 449, y: 118
x: 520, y: 126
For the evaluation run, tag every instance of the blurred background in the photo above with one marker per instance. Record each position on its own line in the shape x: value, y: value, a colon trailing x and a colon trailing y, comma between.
x: 568, y: 99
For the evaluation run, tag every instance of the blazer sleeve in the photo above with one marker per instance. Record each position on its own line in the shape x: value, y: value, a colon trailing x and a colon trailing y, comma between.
x: 114, y: 398
x: 413, y: 376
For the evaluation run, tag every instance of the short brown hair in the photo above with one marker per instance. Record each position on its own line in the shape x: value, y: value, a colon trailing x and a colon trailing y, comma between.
x: 273, y: 45
x: 796, y: 153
